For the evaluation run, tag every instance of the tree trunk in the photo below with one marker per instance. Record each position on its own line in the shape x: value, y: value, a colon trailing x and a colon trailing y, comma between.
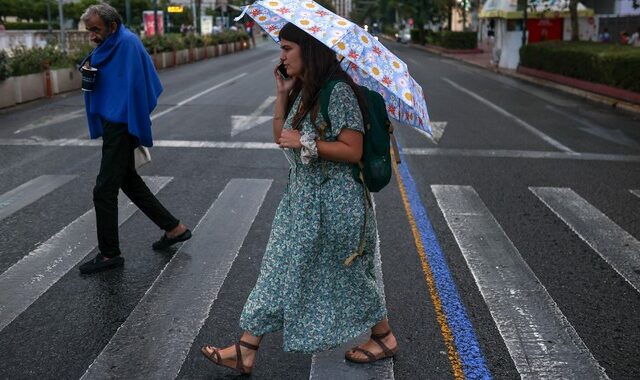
x: 573, y: 10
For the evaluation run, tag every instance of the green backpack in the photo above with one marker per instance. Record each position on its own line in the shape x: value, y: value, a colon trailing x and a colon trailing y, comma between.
x: 375, y: 165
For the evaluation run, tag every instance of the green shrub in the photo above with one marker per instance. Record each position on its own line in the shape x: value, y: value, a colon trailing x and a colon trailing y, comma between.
x: 29, y: 61
x: 609, y: 64
x: 79, y: 52
x: 5, y: 67
x: 415, y: 36
x: 458, y: 40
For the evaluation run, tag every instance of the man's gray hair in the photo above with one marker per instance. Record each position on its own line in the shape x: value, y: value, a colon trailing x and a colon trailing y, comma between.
x: 107, y: 13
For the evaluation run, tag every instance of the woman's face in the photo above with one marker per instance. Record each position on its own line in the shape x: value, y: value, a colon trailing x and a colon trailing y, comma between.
x: 291, y: 58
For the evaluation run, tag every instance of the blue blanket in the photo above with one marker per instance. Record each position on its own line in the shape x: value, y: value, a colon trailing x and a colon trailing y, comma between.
x: 127, y: 86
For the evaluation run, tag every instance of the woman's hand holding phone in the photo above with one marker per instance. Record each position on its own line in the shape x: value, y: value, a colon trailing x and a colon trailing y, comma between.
x: 284, y: 84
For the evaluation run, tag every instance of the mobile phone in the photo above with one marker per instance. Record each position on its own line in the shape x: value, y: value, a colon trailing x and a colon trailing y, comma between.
x: 283, y: 71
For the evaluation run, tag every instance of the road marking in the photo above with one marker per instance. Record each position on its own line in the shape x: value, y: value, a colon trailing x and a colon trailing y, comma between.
x: 156, y: 143
x: 540, y: 340
x: 30, y: 192
x: 498, y: 153
x: 49, y: 120
x: 635, y: 192
x: 331, y: 364
x: 23, y: 283
x: 463, y: 349
x: 244, y: 123
x: 196, y: 96
x: 615, y: 245
x: 156, y: 337
x: 613, y: 135
x: 511, y: 116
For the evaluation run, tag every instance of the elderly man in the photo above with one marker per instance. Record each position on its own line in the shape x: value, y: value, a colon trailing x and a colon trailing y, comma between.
x: 126, y: 91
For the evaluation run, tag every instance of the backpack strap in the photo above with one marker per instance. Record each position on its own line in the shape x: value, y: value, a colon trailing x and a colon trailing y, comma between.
x: 325, y: 97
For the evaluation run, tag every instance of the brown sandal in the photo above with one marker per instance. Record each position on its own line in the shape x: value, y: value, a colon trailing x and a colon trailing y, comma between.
x: 235, y: 363
x: 377, y: 338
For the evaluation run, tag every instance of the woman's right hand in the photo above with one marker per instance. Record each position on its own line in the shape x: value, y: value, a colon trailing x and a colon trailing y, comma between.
x: 283, y: 86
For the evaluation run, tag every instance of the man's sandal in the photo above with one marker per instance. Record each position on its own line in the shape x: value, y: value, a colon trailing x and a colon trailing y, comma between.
x: 370, y: 357
x: 213, y: 354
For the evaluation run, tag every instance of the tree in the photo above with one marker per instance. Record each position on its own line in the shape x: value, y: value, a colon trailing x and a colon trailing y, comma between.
x: 573, y: 11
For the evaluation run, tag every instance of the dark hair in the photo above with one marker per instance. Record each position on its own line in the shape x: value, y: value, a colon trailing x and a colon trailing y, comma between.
x: 106, y: 12
x: 320, y: 65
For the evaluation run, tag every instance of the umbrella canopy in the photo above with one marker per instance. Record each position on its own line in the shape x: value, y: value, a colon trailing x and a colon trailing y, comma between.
x: 367, y: 61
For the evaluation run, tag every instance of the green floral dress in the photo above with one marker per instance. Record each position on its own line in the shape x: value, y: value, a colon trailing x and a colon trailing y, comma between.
x: 304, y: 287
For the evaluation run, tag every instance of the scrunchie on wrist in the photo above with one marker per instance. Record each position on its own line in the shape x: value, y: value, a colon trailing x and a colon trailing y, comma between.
x: 309, y: 150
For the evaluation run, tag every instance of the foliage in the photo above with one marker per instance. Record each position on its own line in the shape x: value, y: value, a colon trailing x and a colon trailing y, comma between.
x: 28, y: 61
x: 5, y: 67
x: 613, y: 65
x: 458, y: 40
x: 79, y: 53
x: 171, y: 42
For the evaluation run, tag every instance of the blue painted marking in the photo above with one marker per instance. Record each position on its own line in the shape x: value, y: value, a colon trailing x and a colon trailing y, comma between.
x: 473, y: 362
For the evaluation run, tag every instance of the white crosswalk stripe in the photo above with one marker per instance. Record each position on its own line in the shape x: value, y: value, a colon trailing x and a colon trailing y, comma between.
x: 24, y: 282
x: 635, y: 192
x: 181, y: 297
x: 540, y: 340
x: 615, y: 245
x: 30, y: 192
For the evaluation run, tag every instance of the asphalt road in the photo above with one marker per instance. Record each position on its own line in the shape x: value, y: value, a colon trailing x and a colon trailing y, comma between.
x: 509, y: 249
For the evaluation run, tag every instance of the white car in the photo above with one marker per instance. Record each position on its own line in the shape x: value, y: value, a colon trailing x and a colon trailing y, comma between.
x: 403, y: 36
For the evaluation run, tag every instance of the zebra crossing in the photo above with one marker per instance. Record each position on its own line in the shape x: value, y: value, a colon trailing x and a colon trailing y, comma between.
x: 185, y: 291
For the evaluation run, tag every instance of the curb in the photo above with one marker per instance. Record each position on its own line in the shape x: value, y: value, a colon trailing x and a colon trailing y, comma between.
x: 599, y: 98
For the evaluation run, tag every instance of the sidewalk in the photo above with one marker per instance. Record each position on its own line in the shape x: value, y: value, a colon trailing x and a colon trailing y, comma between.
x: 483, y: 58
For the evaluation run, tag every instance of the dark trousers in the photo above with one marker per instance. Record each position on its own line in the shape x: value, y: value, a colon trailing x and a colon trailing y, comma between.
x: 117, y: 171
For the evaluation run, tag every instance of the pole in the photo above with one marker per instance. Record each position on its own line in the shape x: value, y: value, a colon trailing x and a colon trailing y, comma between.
x: 524, y: 23
x: 127, y: 9
x: 61, y: 17
x: 155, y: 17
x: 49, y: 27
x: 198, y: 14
x: 193, y: 10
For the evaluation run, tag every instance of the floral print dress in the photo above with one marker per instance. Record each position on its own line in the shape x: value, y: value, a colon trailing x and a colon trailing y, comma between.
x: 304, y: 287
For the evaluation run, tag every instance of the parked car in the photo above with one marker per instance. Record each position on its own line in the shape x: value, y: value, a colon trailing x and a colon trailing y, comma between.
x: 403, y: 36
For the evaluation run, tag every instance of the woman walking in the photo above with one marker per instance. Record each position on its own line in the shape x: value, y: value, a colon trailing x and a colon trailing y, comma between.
x: 311, y: 285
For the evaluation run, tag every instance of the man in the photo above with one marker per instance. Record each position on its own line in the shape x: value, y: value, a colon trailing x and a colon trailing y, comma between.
x: 126, y: 91
x: 635, y: 38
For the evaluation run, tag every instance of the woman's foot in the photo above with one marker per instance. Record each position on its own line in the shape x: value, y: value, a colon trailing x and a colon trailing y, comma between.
x: 380, y: 346
x: 240, y: 356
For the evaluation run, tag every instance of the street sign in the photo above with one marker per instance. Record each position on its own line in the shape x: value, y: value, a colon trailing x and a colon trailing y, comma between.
x: 175, y: 9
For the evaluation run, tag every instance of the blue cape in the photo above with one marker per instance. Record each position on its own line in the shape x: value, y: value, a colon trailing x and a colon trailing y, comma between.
x: 127, y: 86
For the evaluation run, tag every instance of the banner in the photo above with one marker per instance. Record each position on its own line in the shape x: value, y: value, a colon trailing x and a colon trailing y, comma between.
x: 149, y: 25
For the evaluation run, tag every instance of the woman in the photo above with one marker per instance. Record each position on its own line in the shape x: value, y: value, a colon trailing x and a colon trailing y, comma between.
x: 304, y: 288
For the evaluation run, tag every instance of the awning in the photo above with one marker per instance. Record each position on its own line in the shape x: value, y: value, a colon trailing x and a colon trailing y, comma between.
x: 537, y: 9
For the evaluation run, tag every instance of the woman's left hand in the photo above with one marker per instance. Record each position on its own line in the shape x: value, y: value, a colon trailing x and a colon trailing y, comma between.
x: 290, y: 138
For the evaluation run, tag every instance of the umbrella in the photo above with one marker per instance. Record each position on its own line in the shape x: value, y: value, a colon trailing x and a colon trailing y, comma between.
x: 368, y: 62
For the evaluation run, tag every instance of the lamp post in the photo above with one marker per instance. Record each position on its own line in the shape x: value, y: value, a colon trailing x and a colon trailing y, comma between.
x: 155, y: 17
x: 49, y: 28
x: 524, y: 23
x: 127, y: 10
x: 61, y: 16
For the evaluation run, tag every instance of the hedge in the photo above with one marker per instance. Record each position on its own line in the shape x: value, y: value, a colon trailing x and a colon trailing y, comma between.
x: 459, y: 40
x: 613, y: 65
x: 25, y: 61
x: 171, y: 42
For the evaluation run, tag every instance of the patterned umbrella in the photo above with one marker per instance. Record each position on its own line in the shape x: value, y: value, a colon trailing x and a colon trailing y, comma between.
x: 367, y: 61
